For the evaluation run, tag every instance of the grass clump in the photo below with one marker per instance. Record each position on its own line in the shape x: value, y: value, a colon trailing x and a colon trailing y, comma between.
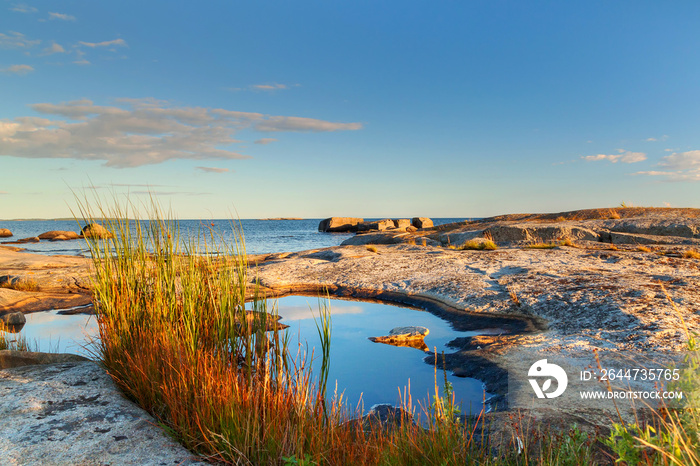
x: 478, y: 245
x: 20, y: 285
x: 13, y: 341
x: 643, y: 249
x: 541, y: 245
x: 691, y: 254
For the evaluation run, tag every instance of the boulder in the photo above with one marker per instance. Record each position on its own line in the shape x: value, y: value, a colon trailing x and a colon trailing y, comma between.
x: 95, y: 230
x: 401, y: 223
x: 421, y: 222
x: 379, y: 225
x: 411, y: 336
x: 13, y: 318
x: 339, y: 224
x: 5, y: 233
x: 59, y: 235
x: 411, y: 229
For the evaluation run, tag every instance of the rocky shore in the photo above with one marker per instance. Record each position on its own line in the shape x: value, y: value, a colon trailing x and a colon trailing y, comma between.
x: 566, y: 285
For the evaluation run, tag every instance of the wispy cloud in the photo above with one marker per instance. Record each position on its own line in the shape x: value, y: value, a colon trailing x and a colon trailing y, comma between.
x: 662, y: 138
x: 80, y: 58
x: 53, y: 48
x: 61, y: 16
x: 4, y: 192
x: 272, y: 87
x: 16, y: 40
x: 282, y: 123
x: 679, y: 166
x: 213, y: 169
x: 622, y: 156
x: 140, y: 132
x: 23, y: 8
x: 265, y: 141
x: 18, y: 69
x: 107, y: 43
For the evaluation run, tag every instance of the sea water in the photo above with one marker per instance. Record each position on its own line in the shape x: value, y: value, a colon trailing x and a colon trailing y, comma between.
x: 261, y: 236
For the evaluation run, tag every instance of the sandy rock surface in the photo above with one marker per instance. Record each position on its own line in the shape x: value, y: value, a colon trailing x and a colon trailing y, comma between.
x: 60, y: 282
x: 588, y: 297
x: 72, y: 413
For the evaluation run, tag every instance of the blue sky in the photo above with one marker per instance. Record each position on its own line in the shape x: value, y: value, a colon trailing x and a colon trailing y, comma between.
x: 362, y: 108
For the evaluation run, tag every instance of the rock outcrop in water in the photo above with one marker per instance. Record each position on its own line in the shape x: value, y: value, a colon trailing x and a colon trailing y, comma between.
x: 339, y: 224
x: 358, y: 225
x: 59, y: 235
x: 413, y: 336
x: 5, y: 233
x: 95, y: 230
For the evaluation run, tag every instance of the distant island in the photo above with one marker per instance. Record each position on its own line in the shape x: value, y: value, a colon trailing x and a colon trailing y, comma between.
x: 282, y: 218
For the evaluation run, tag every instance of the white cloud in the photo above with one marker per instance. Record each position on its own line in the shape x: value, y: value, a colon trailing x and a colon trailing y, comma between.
x: 16, y: 40
x: 682, y: 161
x: 282, y: 123
x: 213, y: 169
x: 622, y: 156
x: 265, y: 141
x: 23, y: 8
x: 61, y: 16
x: 107, y: 43
x: 54, y: 48
x: 683, y: 166
x: 18, y: 69
x: 140, y: 132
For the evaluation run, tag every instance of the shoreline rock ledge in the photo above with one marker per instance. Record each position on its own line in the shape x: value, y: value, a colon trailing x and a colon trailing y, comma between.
x: 339, y: 224
x: 358, y: 225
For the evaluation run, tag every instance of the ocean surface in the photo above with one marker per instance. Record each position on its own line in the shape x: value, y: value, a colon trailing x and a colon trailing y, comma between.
x: 261, y: 236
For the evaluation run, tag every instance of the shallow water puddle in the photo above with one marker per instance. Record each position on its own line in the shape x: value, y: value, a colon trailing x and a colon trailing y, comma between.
x: 52, y: 332
x: 374, y: 372
x: 364, y: 371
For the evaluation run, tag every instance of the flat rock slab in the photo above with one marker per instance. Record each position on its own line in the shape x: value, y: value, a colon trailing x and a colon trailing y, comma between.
x: 72, y: 413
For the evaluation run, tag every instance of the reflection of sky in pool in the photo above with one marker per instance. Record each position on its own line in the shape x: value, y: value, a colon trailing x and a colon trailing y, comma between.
x: 373, y: 370
x: 377, y: 370
x: 51, y: 332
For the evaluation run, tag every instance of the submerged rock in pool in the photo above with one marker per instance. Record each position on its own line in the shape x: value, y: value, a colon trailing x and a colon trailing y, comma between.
x: 405, y: 336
